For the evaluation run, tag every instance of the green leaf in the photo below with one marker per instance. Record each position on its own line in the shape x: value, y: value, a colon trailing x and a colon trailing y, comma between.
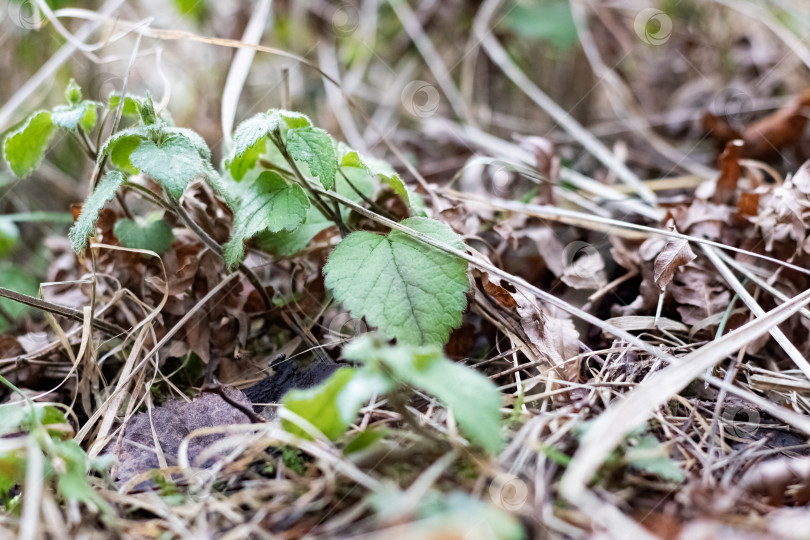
x: 362, y: 181
x: 250, y: 137
x: 44, y: 415
x: 292, y: 119
x: 239, y: 166
x: 18, y: 280
x: 175, y: 162
x: 73, y: 483
x: 288, y: 243
x: 25, y: 147
x: 9, y: 237
x: 314, y: 147
x: 12, y: 472
x: 317, y: 405
x: 381, y: 170
x: 71, y: 117
x: 349, y: 157
x: 52, y: 415
x: 121, y: 153
x: 650, y: 456
x: 409, y: 290
x: 148, y: 115
x: 270, y: 204
x: 120, y: 145
x: 366, y: 383
x: 365, y: 439
x: 333, y: 405
x: 417, y: 204
x: 196, y: 10
x: 194, y: 138
x: 85, y: 226
x: 449, y: 515
x: 90, y: 116
x: 73, y: 92
x: 12, y: 416
x: 132, y: 104
x: 454, y: 385
x: 150, y: 233
x: 457, y: 386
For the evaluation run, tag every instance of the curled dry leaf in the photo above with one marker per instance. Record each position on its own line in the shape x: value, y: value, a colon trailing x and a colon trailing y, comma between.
x: 780, y: 217
x: 498, y: 292
x: 551, y: 336
x: 748, y: 205
x: 720, y: 130
x: 801, y: 180
x: 675, y: 254
x: 765, y: 138
x: 703, y: 218
x: 648, y: 292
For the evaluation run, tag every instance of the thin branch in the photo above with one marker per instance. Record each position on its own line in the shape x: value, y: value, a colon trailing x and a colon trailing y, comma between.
x: 111, y: 329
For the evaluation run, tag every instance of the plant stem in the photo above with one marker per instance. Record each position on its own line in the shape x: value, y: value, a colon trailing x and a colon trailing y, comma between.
x: 150, y: 195
x: 214, y: 246
x: 397, y: 402
x: 121, y: 201
x: 175, y: 208
x: 379, y: 209
x: 88, y: 143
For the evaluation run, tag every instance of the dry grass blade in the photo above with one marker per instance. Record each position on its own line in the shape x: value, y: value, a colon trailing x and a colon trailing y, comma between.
x: 591, y: 143
x: 751, y: 303
x: 73, y: 314
x: 621, y: 418
x: 240, y: 67
x: 614, y: 226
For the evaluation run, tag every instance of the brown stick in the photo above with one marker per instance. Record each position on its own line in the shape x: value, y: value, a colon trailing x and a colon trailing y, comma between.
x: 63, y: 311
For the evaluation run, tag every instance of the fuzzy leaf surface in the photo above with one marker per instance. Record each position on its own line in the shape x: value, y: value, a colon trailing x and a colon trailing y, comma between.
x: 270, y: 204
x: 85, y: 226
x: 410, y: 291
x: 25, y: 147
x: 314, y: 147
x: 175, y: 162
x: 71, y: 117
x: 150, y: 233
x: 250, y: 137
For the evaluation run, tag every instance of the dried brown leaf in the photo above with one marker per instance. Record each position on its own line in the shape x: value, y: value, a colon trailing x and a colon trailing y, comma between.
x: 700, y: 294
x: 765, y: 138
x: 726, y: 186
x: 719, y: 129
x: 748, y: 204
x: 674, y: 255
x: 499, y: 293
